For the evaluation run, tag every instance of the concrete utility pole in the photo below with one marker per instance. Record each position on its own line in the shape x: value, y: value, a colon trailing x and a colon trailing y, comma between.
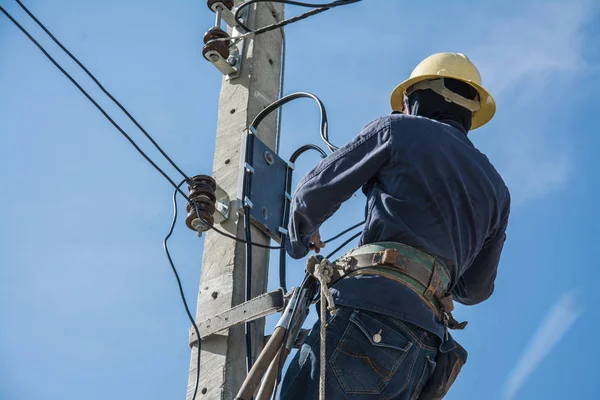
x: 222, y: 282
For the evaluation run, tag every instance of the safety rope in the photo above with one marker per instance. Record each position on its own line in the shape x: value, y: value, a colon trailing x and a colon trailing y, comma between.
x: 323, y: 273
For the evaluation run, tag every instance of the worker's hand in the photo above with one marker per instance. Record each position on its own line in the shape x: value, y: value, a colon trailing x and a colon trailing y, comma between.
x: 315, y: 242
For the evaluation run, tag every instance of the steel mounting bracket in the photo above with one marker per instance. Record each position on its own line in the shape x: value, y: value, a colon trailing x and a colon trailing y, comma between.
x: 258, y: 307
x: 231, y: 66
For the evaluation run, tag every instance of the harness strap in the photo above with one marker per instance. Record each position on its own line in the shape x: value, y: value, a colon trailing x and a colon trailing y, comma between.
x: 392, y: 258
x: 426, y: 281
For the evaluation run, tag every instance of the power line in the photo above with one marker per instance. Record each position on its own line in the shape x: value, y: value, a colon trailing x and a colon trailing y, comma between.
x: 344, y: 232
x: 86, y: 94
x: 320, y: 9
x: 105, y: 114
x: 342, y: 245
x: 281, y: 24
x: 146, y: 157
x: 110, y: 96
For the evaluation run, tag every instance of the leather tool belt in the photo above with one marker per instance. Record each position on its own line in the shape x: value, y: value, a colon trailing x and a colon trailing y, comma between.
x: 418, y: 270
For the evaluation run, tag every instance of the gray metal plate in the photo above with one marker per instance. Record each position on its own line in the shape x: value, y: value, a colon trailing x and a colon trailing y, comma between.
x: 267, y: 192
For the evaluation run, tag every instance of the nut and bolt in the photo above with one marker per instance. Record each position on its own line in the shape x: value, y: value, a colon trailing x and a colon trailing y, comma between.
x: 269, y: 158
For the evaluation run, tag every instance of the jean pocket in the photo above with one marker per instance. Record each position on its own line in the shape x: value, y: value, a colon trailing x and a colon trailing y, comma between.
x: 368, y: 355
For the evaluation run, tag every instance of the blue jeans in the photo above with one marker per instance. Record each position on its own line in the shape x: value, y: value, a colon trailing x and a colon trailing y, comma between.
x: 369, y: 356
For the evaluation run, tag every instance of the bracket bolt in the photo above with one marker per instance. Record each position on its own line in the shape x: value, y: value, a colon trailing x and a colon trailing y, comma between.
x: 269, y: 158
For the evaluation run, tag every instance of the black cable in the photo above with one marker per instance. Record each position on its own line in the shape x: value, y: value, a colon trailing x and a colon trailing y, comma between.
x: 322, y: 7
x: 281, y: 87
x: 344, y: 232
x: 110, y: 96
x: 304, y: 149
x: 283, y: 236
x: 246, y: 191
x: 283, y: 265
x: 82, y: 90
x: 288, y: 189
x: 324, y: 130
x: 343, y: 244
x: 185, y: 304
x: 248, y: 231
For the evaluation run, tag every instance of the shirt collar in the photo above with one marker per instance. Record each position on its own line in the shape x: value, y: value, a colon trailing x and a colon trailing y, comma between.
x: 456, y: 125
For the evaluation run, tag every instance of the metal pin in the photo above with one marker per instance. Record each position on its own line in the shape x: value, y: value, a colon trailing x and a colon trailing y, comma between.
x: 249, y: 168
x: 219, y: 12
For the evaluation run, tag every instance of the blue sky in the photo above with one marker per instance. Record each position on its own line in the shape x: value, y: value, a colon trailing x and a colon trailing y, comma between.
x: 88, y: 305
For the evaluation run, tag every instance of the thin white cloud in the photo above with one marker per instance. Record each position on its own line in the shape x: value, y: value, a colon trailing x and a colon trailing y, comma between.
x: 525, y: 60
x: 560, y: 318
x: 545, y: 38
x: 533, y: 165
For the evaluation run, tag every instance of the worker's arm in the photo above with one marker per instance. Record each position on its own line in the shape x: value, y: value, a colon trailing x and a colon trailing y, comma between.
x: 323, y: 190
x: 477, y: 283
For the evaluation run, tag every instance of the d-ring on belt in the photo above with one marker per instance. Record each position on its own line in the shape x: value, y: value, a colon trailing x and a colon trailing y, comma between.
x: 404, y: 264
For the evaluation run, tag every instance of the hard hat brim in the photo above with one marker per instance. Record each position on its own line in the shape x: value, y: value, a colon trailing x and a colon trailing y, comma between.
x: 480, y: 118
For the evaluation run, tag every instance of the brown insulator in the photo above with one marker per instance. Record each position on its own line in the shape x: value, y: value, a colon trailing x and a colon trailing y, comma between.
x: 227, y: 3
x: 216, y: 33
x: 221, y: 47
x: 202, y: 202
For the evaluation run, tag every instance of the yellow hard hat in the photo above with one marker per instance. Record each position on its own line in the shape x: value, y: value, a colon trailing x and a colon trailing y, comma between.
x: 449, y: 65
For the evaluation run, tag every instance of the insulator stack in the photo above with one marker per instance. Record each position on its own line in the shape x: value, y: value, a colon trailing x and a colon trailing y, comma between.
x: 202, y: 200
x: 221, y: 47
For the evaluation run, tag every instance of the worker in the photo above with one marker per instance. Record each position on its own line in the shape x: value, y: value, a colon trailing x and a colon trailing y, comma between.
x: 436, y: 217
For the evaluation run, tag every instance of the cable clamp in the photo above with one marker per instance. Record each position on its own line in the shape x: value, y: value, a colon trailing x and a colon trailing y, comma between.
x: 249, y: 168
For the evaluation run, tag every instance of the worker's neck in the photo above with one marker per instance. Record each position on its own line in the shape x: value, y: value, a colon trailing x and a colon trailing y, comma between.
x: 428, y: 104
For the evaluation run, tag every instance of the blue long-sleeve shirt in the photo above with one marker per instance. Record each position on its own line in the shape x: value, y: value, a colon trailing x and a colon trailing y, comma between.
x: 427, y: 186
